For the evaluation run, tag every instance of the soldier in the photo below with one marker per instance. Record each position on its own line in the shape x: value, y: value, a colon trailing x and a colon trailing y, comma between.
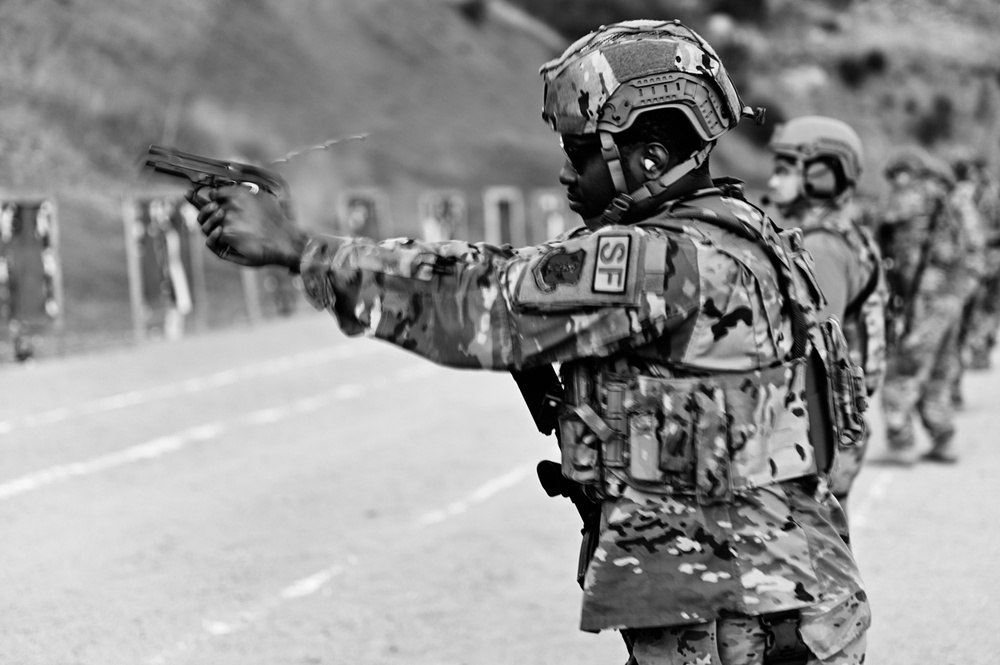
x: 982, y: 315
x: 816, y: 170
x: 685, y: 327
x: 932, y: 248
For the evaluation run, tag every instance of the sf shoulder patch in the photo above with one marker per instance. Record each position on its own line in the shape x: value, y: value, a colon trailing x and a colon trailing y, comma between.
x: 612, y: 265
x: 559, y: 267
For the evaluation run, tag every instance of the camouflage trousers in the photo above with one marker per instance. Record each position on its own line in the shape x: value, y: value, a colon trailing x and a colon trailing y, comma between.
x: 730, y: 641
x: 921, y: 375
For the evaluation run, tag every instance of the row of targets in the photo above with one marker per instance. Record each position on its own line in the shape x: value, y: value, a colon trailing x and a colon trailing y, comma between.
x: 30, y: 277
x: 505, y: 220
x: 165, y: 252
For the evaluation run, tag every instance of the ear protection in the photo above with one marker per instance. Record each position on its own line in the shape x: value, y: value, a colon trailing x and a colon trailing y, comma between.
x: 824, y: 179
x: 648, y: 163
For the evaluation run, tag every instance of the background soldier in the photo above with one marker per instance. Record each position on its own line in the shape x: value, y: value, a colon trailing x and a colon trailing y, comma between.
x: 964, y: 203
x: 816, y: 170
x: 982, y: 315
x: 684, y: 324
x: 932, y: 270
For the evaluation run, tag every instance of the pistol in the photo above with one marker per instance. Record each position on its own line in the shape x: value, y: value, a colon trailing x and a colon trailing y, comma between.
x: 205, y: 172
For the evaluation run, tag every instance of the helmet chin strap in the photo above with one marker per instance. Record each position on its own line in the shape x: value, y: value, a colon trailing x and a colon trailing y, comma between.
x: 624, y: 202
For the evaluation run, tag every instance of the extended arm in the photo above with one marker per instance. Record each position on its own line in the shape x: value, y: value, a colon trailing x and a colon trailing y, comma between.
x: 477, y: 306
x: 473, y: 305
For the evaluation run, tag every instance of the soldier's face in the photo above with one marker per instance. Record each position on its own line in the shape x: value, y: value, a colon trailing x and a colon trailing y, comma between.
x: 585, y: 175
x: 786, y: 181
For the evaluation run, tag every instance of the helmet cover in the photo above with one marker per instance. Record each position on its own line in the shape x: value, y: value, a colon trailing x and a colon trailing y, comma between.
x: 611, y: 76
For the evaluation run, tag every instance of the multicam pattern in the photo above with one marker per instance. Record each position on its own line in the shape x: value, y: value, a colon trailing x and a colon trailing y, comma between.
x: 697, y: 298
x: 581, y: 81
x: 936, y: 249
x: 984, y: 312
x: 729, y: 641
x: 471, y: 305
x: 864, y: 324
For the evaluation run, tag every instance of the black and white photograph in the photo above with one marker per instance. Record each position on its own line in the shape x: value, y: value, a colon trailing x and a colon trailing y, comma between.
x: 499, y: 332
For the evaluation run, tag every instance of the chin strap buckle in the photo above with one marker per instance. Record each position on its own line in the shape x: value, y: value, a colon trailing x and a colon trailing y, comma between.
x: 618, y: 209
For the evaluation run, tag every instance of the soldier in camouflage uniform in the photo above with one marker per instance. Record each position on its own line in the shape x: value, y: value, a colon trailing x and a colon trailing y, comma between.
x: 982, y: 315
x: 816, y: 170
x: 934, y: 253
x: 692, y: 358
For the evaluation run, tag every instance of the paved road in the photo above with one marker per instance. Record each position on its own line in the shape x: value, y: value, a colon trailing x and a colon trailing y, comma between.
x: 285, y: 495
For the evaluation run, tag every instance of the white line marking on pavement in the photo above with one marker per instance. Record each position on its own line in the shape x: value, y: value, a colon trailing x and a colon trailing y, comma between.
x: 174, y: 442
x: 481, y: 494
x: 144, y: 451
x: 312, y: 584
x: 187, y: 386
x: 210, y: 628
x: 876, y: 492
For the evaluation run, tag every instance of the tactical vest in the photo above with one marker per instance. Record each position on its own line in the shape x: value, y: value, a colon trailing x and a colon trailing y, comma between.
x: 712, y: 434
x: 864, y: 319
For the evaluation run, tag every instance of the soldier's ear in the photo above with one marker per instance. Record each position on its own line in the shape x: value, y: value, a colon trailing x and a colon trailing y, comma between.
x: 651, y: 161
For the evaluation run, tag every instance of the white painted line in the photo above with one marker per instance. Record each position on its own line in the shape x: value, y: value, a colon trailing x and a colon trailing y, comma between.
x: 481, y: 494
x: 303, y: 588
x: 307, y: 586
x: 144, y: 451
x: 174, y: 442
x: 188, y: 386
x: 312, y: 584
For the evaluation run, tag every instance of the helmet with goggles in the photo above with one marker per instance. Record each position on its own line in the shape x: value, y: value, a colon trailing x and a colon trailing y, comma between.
x: 607, y: 79
x: 815, y: 138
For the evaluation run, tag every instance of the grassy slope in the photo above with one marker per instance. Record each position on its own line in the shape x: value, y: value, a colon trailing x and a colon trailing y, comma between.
x: 86, y: 84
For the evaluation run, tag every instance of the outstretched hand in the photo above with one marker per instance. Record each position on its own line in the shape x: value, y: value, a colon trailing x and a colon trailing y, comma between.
x: 248, y: 229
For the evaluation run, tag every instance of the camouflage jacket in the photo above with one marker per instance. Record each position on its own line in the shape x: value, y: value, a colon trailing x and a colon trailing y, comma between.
x: 661, y: 560
x: 987, y: 197
x: 965, y: 207
x: 934, y: 246
x: 866, y: 291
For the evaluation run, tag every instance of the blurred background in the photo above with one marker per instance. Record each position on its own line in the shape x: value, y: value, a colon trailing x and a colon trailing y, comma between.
x: 447, y: 92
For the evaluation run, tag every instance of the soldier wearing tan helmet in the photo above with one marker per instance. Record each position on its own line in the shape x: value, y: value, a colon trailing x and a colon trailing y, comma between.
x: 981, y: 320
x: 934, y: 251
x: 816, y: 170
x: 694, y: 369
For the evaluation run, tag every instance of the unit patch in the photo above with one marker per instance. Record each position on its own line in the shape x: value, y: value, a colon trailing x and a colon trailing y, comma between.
x: 559, y: 267
x: 611, y: 270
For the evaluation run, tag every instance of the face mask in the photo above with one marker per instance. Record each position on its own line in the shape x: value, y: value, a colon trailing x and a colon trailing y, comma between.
x: 785, y: 183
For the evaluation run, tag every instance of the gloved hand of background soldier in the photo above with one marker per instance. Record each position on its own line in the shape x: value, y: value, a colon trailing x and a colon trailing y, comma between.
x: 249, y: 229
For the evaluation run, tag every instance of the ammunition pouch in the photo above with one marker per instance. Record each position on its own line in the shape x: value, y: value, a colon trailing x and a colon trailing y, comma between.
x: 847, y: 392
x: 707, y: 437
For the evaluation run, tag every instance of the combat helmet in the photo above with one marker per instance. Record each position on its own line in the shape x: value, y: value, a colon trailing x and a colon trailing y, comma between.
x: 608, y: 78
x: 812, y: 138
x: 919, y: 163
